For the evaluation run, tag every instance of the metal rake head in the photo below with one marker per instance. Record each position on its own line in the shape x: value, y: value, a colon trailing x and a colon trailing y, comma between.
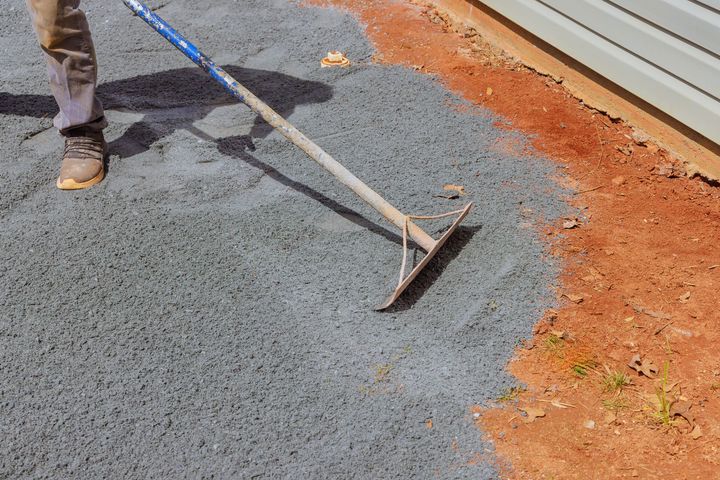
x: 405, y: 281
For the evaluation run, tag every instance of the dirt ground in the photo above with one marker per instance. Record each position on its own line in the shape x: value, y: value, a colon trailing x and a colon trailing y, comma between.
x: 640, y: 277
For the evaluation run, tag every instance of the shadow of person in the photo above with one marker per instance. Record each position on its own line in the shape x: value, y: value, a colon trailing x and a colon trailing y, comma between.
x: 176, y: 99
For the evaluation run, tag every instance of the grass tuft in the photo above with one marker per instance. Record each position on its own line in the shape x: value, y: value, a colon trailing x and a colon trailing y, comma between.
x: 614, y: 382
x: 510, y: 394
x: 662, y: 415
x: 554, y: 344
x: 382, y: 372
x: 616, y: 403
x: 581, y: 368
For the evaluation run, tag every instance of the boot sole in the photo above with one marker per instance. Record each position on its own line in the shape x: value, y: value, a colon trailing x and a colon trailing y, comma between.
x: 71, y: 184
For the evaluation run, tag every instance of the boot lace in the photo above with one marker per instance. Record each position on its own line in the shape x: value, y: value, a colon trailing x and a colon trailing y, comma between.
x: 83, y: 147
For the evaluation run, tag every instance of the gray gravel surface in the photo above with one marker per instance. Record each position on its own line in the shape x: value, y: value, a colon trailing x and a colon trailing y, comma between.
x: 206, y: 312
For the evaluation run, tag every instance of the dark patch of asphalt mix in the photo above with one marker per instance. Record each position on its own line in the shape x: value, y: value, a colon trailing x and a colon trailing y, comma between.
x: 207, y: 310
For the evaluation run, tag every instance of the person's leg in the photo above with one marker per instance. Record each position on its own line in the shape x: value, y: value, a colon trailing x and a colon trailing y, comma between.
x: 64, y: 36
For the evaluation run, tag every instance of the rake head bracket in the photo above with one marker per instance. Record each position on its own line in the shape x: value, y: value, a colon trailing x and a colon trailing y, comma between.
x: 405, y: 281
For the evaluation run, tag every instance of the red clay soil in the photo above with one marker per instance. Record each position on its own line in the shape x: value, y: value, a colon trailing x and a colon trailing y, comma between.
x: 641, y: 272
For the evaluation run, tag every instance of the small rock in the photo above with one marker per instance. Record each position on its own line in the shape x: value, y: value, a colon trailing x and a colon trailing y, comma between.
x: 619, y: 180
x: 489, y: 91
x: 668, y: 170
x: 640, y: 137
x: 589, y: 424
x: 626, y: 150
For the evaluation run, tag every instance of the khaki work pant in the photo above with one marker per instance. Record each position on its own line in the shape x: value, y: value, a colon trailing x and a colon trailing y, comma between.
x: 64, y: 36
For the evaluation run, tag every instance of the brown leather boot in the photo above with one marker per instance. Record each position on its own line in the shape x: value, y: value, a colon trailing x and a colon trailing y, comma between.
x: 84, y: 160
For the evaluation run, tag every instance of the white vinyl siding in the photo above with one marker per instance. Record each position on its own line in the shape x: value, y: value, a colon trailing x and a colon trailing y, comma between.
x: 666, y: 52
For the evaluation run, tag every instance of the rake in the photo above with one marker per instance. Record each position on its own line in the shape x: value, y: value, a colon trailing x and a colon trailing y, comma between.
x: 393, y: 215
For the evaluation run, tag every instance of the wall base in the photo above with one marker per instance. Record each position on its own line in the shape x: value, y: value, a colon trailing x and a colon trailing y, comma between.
x: 700, y: 155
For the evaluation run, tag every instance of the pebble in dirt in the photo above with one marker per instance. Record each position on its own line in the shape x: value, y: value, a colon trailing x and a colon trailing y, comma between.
x: 207, y: 310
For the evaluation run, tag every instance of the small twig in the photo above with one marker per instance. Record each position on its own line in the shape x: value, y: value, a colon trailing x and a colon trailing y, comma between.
x: 663, y: 327
x: 702, y: 444
x: 589, y: 190
x: 555, y: 403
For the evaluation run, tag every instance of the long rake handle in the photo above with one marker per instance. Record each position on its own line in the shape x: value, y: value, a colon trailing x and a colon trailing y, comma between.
x: 281, y: 125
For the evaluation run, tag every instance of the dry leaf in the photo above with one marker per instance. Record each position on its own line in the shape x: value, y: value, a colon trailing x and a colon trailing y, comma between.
x: 682, y: 409
x: 573, y: 297
x: 668, y: 388
x: 532, y: 414
x: 570, y: 224
x: 643, y: 367
x: 455, y: 188
x: 696, y: 432
x: 561, y: 334
x: 429, y: 423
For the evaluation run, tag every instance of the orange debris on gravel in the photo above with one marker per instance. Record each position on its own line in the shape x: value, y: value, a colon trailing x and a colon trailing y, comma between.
x: 643, y: 267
